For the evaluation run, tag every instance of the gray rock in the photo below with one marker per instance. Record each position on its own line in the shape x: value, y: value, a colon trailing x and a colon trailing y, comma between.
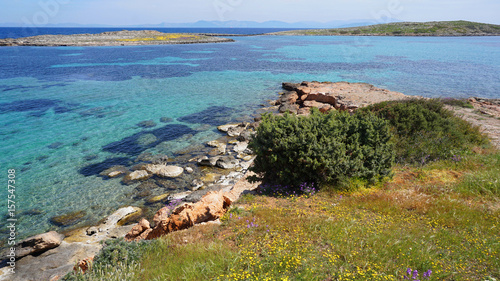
x: 240, y: 147
x: 227, y: 162
x: 292, y: 108
x: 39, y: 244
x: 164, y: 171
x: 189, y: 170
x: 53, y: 263
x: 210, y: 162
x: 196, y: 184
x: 136, y: 176
x: 235, y: 131
x: 225, y: 128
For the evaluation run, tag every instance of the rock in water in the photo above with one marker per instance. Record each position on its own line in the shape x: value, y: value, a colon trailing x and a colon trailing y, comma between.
x: 164, y: 171
x: 146, y: 124
x: 227, y: 162
x: 68, y: 219
x: 136, y: 176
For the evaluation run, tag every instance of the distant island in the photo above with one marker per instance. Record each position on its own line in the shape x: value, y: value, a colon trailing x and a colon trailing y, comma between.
x: 435, y: 28
x: 115, y: 38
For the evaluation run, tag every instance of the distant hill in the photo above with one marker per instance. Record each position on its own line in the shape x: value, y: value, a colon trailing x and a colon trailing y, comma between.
x: 435, y: 28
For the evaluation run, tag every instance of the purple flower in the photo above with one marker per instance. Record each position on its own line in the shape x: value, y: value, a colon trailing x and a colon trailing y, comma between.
x: 408, y: 270
x: 427, y: 274
x: 415, y: 274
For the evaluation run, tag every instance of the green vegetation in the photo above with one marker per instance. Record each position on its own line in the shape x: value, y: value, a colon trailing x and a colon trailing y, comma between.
x: 425, y: 131
x: 440, y: 219
x: 322, y: 148
x: 423, y: 219
x: 116, y: 254
x: 438, y: 28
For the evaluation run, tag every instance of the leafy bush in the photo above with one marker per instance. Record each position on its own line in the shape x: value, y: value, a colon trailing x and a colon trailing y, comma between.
x: 321, y: 148
x: 426, y: 131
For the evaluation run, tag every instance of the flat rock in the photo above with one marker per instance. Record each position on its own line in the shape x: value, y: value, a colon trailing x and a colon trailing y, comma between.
x: 164, y: 171
x: 227, y: 162
x: 39, y: 243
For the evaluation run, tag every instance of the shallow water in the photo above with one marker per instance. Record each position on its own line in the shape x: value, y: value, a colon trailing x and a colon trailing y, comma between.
x: 68, y: 113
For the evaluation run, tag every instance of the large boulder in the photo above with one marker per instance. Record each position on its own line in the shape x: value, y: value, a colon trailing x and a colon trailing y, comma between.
x: 39, y: 244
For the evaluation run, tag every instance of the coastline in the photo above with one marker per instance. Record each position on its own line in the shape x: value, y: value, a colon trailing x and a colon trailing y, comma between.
x: 84, y: 242
x: 114, y: 38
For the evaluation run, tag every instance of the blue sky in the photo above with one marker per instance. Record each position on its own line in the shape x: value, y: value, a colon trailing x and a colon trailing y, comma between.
x: 130, y: 12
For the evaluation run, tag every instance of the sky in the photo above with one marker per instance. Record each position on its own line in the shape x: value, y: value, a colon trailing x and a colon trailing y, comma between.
x: 134, y: 12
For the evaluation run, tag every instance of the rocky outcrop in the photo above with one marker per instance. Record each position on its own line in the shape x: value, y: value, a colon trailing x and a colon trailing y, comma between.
x: 115, y: 38
x: 327, y: 96
x: 39, y: 244
x: 211, y: 207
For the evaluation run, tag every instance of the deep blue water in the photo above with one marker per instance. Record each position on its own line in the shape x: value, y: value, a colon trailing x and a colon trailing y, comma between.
x: 67, y: 113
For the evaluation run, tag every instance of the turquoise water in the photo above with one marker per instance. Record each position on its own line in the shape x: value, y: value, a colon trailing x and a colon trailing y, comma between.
x: 68, y: 113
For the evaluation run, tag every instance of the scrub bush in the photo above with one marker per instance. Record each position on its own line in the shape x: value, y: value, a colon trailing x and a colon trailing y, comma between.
x: 322, y: 148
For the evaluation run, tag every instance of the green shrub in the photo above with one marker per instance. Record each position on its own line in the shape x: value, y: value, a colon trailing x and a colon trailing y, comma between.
x: 426, y: 131
x: 116, y: 253
x: 322, y: 148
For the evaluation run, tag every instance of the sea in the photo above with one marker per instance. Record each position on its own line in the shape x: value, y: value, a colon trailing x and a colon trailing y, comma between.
x: 68, y: 113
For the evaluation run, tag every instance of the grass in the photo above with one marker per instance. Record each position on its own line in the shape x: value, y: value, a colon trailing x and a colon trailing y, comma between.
x: 443, y: 217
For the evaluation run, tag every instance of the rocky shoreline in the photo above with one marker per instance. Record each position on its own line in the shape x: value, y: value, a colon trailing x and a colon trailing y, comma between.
x: 115, y: 38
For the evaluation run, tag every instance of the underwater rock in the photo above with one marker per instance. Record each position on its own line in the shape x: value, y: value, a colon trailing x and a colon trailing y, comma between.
x: 55, y: 145
x: 166, y: 119
x: 114, y: 171
x: 147, y: 124
x: 146, y: 139
x: 164, y: 171
x: 68, y: 219
x: 157, y: 198
x: 136, y: 176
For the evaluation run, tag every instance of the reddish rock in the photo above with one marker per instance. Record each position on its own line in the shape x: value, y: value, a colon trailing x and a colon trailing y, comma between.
x: 137, y: 230
x: 84, y: 265
x: 211, y: 207
x: 322, y: 97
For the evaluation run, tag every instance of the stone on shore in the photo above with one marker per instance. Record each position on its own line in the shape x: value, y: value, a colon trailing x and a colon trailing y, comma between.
x: 328, y: 96
x: 38, y: 244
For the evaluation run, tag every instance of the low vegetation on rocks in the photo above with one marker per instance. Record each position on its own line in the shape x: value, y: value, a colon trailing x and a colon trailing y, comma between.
x: 433, y: 220
x: 425, y: 131
x: 436, y: 28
